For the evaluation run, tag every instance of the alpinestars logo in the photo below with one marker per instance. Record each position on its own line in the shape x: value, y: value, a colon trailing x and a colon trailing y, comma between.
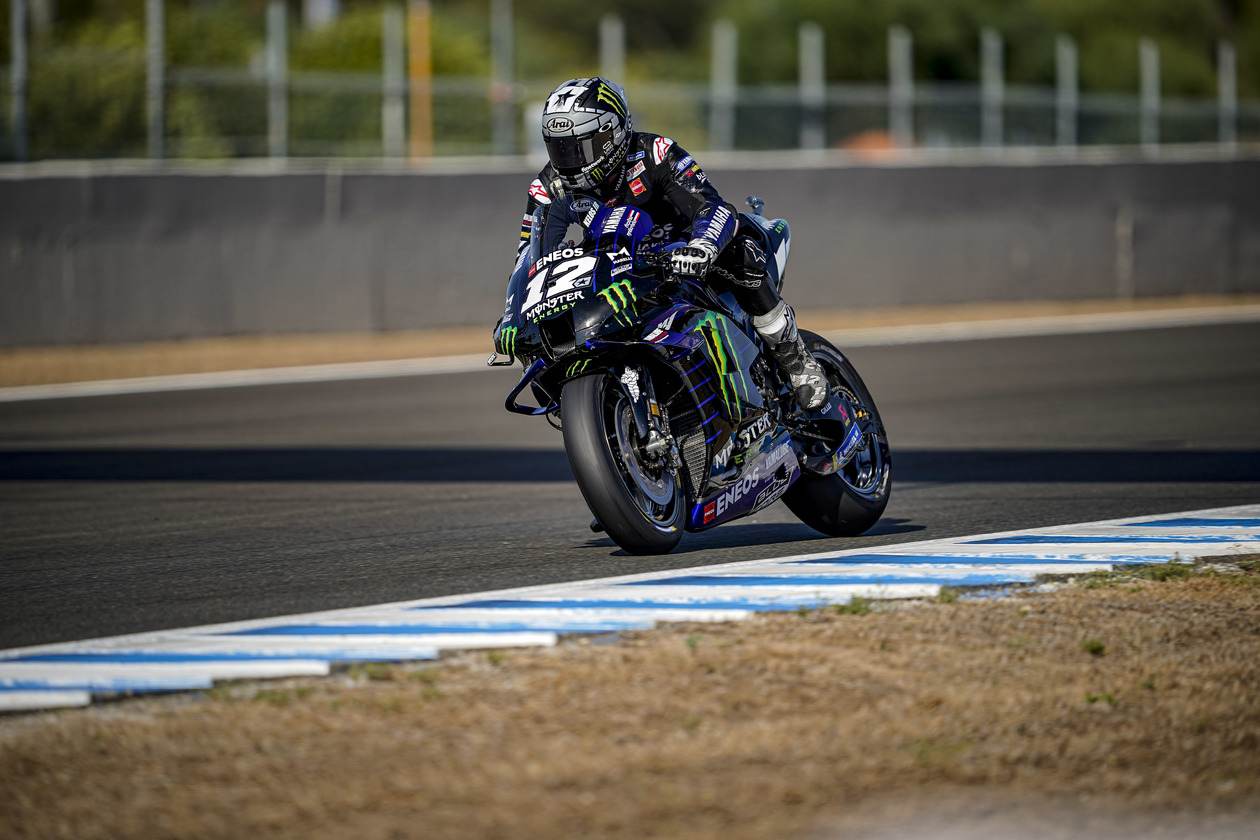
x: 660, y: 147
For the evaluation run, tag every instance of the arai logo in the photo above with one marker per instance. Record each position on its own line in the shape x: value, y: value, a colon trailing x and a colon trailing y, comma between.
x: 559, y: 124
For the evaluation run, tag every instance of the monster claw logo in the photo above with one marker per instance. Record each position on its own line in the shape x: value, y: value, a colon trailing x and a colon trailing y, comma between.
x: 610, y: 98
x: 577, y: 367
x: 507, y: 341
x: 712, y: 328
x: 620, y: 296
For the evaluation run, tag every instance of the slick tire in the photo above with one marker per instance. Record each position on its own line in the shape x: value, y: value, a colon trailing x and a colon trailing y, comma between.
x: 589, y: 441
x: 833, y: 504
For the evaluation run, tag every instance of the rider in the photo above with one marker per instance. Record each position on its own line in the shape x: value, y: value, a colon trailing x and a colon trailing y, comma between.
x: 595, y: 153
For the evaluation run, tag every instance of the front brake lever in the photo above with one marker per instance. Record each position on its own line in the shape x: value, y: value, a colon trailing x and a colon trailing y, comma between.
x: 493, y: 361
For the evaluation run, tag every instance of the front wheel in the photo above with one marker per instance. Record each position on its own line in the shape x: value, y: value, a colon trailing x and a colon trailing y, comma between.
x: 639, y: 502
x: 849, y: 502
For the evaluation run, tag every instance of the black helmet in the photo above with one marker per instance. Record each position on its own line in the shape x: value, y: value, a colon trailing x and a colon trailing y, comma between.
x: 586, y: 127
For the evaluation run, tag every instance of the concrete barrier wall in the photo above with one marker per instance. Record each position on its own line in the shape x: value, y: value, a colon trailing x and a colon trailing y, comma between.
x: 130, y: 257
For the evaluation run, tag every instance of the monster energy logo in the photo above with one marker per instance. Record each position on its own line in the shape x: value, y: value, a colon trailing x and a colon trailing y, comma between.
x: 507, y: 340
x: 577, y: 367
x: 712, y: 328
x: 609, y: 96
x: 620, y: 296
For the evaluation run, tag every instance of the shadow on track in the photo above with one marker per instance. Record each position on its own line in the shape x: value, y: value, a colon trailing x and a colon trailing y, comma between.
x: 334, y: 464
x: 736, y: 535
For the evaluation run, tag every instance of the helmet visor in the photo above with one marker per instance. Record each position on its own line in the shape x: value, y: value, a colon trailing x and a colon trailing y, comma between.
x: 572, y: 155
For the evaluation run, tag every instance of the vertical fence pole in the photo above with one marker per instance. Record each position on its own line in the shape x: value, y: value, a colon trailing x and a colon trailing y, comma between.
x: 992, y: 87
x: 503, y: 67
x: 1148, y: 64
x: 900, y: 86
x: 277, y: 80
x: 1067, y: 91
x: 1227, y: 95
x: 393, y: 83
x: 813, y: 86
x: 420, y: 74
x: 18, y: 77
x: 612, y: 48
x: 722, y: 85
x: 155, y: 78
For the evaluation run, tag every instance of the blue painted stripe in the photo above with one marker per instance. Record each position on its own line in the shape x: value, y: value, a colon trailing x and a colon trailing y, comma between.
x: 119, y: 683
x: 706, y: 420
x: 712, y: 437
x: 711, y: 398
x: 699, y: 384
x: 1049, y: 539
x: 435, y: 629
x: 619, y: 604
x: 1199, y: 522
x: 979, y: 559
x: 831, y: 580
x: 154, y: 657
x: 697, y: 367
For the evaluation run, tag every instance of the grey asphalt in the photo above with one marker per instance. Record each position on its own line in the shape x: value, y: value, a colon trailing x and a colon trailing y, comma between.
x: 133, y: 513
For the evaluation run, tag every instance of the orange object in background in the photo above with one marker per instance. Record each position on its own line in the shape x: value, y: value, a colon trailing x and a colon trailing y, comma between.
x: 872, y: 144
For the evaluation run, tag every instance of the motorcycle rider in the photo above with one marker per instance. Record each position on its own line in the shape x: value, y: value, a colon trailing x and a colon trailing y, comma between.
x: 595, y: 155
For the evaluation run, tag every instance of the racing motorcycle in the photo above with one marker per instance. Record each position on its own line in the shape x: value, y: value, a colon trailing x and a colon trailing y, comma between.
x: 673, y: 417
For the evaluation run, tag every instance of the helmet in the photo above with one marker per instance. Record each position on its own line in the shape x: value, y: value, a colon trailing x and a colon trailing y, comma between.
x: 586, y: 127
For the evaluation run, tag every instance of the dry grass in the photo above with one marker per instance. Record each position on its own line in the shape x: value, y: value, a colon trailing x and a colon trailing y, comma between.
x: 776, y: 726
x: 73, y: 363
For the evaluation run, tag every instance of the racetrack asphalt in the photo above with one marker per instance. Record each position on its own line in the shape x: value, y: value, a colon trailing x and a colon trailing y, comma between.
x: 141, y: 512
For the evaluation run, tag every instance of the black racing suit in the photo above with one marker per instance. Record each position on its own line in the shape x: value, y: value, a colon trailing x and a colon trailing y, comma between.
x: 666, y: 183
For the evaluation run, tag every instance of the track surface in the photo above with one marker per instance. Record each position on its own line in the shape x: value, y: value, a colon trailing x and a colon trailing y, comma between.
x: 131, y: 513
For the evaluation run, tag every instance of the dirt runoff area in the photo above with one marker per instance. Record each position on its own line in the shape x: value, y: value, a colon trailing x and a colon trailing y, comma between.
x: 1117, y: 705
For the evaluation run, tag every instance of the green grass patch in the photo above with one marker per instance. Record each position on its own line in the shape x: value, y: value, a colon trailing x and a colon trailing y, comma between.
x: 857, y: 606
x: 1094, y: 647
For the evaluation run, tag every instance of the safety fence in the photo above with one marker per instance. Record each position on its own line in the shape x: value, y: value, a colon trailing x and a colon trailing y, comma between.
x: 127, y: 101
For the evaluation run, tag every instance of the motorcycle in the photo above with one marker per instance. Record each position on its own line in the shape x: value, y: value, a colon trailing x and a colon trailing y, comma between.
x: 673, y: 418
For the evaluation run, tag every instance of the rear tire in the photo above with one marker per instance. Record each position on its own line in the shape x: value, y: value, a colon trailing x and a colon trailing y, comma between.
x: 604, y: 474
x: 850, y: 502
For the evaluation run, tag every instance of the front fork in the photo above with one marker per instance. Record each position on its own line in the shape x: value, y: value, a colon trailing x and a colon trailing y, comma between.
x: 651, y: 425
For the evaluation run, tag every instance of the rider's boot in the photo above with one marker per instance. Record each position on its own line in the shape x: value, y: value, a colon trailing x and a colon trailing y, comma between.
x: 778, y: 328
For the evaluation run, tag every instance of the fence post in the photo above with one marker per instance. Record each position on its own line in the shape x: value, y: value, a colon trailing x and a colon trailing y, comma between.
x: 277, y: 80
x: 992, y: 87
x: 722, y: 85
x: 502, y: 69
x: 155, y: 89
x: 1067, y: 91
x: 612, y: 48
x: 1148, y: 55
x: 393, y: 82
x: 900, y: 86
x: 420, y: 76
x: 813, y: 86
x: 18, y: 77
x: 1227, y: 95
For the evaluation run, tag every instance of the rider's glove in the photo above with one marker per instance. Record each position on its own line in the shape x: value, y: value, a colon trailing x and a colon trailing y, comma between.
x: 505, y: 338
x: 693, y: 259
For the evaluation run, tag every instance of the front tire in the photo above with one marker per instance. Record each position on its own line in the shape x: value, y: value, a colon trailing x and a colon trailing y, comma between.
x: 642, y: 511
x: 849, y: 502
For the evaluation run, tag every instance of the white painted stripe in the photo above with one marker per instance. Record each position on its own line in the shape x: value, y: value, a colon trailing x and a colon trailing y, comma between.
x: 26, y: 701
x: 1045, y: 325
x: 866, y: 337
x: 158, y: 672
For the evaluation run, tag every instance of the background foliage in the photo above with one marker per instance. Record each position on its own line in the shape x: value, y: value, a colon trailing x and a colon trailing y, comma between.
x: 87, y: 69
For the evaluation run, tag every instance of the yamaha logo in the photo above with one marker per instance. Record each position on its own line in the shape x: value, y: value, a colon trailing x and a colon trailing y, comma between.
x: 559, y: 124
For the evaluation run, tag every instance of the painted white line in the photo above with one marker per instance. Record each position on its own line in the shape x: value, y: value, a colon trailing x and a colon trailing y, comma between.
x: 533, y: 616
x: 952, y: 331
x: 28, y: 701
x: 1046, y: 325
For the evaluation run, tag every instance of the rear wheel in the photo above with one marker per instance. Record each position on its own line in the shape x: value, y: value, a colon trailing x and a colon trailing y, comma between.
x: 850, y: 501
x: 639, y: 501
